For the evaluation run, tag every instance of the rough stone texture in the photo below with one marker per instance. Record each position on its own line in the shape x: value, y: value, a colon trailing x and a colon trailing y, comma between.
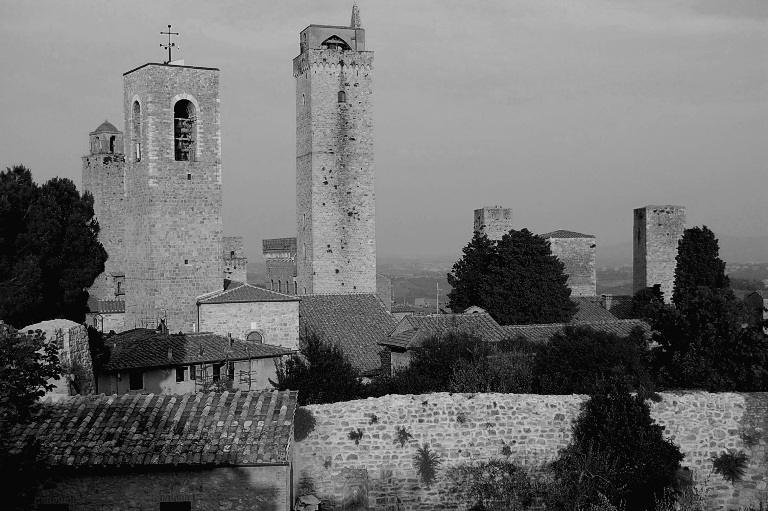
x: 74, y: 356
x: 103, y: 176
x: 384, y: 290
x: 578, y: 256
x: 657, y: 231
x: 106, y: 321
x: 280, y: 259
x: 235, y: 261
x: 335, y: 211
x: 225, y: 488
x: 494, y: 221
x: 173, y: 222
x: 277, y: 322
x: 474, y: 427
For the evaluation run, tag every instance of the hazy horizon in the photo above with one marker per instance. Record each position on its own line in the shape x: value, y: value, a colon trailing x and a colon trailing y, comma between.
x: 572, y: 114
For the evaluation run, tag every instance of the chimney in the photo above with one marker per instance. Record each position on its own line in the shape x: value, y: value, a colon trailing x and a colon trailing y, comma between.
x: 606, y: 300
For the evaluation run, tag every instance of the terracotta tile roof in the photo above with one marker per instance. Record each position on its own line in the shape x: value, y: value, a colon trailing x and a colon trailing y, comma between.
x: 140, y: 348
x: 105, y: 306
x: 590, y: 310
x: 621, y: 306
x: 401, y: 307
x: 355, y: 323
x: 560, y: 233
x: 239, y: 292
x: 145, y: 429
x: 543, y: 333
x: 411, y: 331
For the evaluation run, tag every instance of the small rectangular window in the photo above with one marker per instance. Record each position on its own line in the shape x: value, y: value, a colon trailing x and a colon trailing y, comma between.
x: 189, y: 176
x: 135, y: 380
x: 192, y: 375
x: 231, y: 371
x: 186, y: 261
x: 217, y: 372
x: 180, y: 374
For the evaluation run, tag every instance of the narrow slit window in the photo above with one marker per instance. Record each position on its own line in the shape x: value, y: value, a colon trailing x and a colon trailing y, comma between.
x: 342, y: 96
x: 184, y: 130
x: 136, y: 131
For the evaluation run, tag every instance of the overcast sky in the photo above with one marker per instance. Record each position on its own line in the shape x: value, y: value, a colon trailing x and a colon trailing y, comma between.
x: 570, y: 112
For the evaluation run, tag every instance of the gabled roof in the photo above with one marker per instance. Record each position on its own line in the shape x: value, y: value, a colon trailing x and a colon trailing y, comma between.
x: 105, y: 306
x: 543, y: 333
x: 411, y: 331
x: 355, y: 323
x: 226, y: 429
x: 560, y: 233
x: 144, y: 348
x: 590, y: 310
x: 239, y: 292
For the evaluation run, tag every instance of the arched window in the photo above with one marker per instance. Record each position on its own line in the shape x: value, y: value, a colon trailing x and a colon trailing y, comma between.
x: 255, y: 337
x: 342, y: 96
x: 271, y: 285
x: 112, y: 144
x: 184, y: 130
x: 136, y: 131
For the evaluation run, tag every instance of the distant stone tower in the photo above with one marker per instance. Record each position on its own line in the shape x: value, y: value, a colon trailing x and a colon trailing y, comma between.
x: 235, y: 261
x: 173, y: 229
x: 335, y: 211
x: 103, y: 174
x: 494, y: 221
x: 657, y: 231
x: 577, y: 252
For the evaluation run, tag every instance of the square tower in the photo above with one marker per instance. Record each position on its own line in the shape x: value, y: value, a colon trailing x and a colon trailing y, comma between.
x: 173, y: 224
x: 494, y: 221
x: 335, y: 211
x: 577, y: 253
x: 657, y: 231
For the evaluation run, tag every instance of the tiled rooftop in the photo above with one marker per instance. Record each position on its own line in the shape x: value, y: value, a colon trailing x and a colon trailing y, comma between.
x: 590, y: 310
x: 239, y: 292
x: 142, y: 348
x: 560, y: 233
x: 355, y: 323
x: 411, y: 331
x: 145, y: 429
x: 543, y: 333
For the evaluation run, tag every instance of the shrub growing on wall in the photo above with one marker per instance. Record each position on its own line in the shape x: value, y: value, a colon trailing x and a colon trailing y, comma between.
x: 495, y: 485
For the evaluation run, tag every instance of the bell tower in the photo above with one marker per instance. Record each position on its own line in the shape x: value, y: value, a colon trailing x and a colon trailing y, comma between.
x: 173, y: 223
x: 336, y: 239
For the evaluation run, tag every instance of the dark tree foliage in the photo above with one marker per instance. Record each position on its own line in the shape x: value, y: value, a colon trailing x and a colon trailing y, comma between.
x: 580, y: 360
x: 321, y: 373
x: 49, y: 250
x: 618, y: 451
x: 698, y: 264
x: 517, y: 280
x: 27, y: 363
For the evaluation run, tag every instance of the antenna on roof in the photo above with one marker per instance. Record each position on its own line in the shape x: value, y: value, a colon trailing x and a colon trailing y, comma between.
x: 170, y: 44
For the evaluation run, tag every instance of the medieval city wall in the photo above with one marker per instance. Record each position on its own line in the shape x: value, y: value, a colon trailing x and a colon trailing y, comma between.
x: 578, y: 257
x: 465, y: 428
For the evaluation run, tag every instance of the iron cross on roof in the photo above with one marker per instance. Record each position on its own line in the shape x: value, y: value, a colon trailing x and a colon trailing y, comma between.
x: 170, y: 44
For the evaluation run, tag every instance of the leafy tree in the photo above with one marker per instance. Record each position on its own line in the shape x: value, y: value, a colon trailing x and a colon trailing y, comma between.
x: 617, y: 452
x: 517, y: 280
x: 505, y: 367
x: 27, y: 364
x: 321, y: 373
x: 698, y: 264
x: 579, y: 360
x: 49, y: 250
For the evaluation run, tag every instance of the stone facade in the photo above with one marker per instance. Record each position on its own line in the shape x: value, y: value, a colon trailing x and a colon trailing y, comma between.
x: 103, y: 176
x: 473, y: 427
x: 384, y: 290
x: 277, y: 322
x: 266, y: 488
x: 235, y: 262
x: 657, y: 231
x: 577, y: 252
x: 493, y: 221
x: 335, y: 211
x: 173, y: 225
x: 280, y: 260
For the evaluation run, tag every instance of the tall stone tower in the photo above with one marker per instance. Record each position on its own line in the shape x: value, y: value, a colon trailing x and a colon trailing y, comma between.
x: 103, y: 174
x: 577, y: 253
x: 657, y: 231
x: 335, y: 211
x: 173, y: 225
x: 494, y: 221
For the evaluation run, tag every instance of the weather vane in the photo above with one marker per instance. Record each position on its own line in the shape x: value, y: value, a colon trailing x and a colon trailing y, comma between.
x: 170, y: 44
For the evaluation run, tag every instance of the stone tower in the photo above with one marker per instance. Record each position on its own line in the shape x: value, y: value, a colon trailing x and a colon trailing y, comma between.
x: 103, y: 174
x: 173, y: 225
x: 577, y: 253
x: 494, y: 221
x: 335, y: 211
x: 657, y: 231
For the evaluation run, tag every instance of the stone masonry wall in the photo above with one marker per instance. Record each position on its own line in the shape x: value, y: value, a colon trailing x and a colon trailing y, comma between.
x: 231, y: 489
x: 334, y: 172
x: 74, y: 355
x: 494, y: 222
x: 173, y: 220
x: 466, y: 428
x: 657, y: 231
x: 277, y: 322
x: 103, y: 176
x: 578, y: 256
